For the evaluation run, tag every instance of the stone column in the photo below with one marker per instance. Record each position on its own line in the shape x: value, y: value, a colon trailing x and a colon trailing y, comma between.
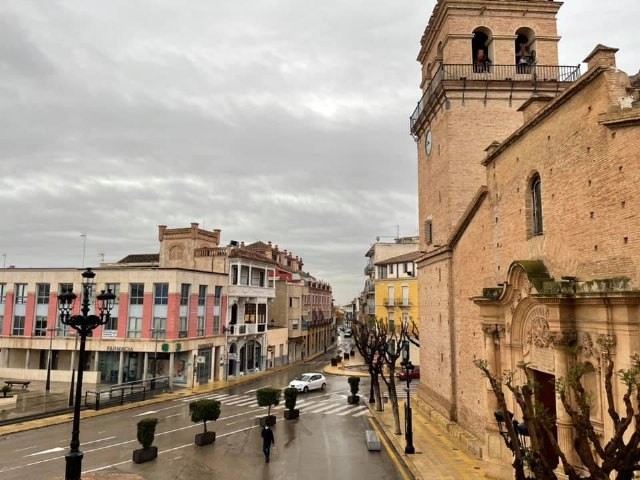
x: 145, y: 366
x: 497, y: 454
x: 27, y: 359
x: 561, y: 341
x: 73, y: 360
x: 170, y: 373
x: 96, y: 359
x: 121, y: 367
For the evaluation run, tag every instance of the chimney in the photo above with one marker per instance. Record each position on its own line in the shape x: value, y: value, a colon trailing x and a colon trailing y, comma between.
x: 161, y: 229
x: 532, y: 106
x: 601, y: 56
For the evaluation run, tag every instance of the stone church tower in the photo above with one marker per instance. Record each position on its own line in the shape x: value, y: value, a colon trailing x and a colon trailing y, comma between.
x: 481, y: 60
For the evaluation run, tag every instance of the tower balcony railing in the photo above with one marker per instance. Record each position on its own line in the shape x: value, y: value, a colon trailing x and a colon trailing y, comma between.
x: 489, y: 72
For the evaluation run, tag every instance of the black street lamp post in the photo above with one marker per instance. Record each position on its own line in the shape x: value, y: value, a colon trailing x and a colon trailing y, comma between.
x: 47, y: 385
x: 73, y: 373
x: 154, y: 334
x: 408, y: 369
x: 84, y: 324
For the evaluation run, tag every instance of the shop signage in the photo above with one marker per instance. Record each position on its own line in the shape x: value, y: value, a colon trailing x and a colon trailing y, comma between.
x: 202, y: 346
x: 232, y: 356
x: 119, y: 349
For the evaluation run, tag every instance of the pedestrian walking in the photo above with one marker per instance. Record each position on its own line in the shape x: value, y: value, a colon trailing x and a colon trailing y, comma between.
x: 267, y: 440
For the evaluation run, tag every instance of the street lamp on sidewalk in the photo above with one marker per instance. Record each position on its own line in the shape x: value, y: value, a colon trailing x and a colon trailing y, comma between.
x: 73, y: 372
x: 47, y: 385
x: 154, y: 334
x: 408, y: 368
x: 84, y: 324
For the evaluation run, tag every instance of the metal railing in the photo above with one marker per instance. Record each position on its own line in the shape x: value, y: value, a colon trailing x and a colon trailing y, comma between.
x: 128, y: 392
x: 489, y: 72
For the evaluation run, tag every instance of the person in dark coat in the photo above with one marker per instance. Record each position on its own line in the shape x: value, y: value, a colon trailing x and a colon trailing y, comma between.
x: 267, y: 440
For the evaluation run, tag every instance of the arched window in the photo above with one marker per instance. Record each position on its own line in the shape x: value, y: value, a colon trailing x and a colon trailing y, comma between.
x: 480, y: 49
x: 175, y: 253
x: 525, y: 56
x: 535, y: 191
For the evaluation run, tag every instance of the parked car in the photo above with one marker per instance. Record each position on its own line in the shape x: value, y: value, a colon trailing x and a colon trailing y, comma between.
x: 309, y: 381
x: 415, y: 374
x: 347, y: 333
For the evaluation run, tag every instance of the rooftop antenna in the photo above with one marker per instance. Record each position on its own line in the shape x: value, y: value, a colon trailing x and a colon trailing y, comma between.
x: 4, y: 260
x: 84, y: 246
x: 101, y: 255
x: 397, y: 232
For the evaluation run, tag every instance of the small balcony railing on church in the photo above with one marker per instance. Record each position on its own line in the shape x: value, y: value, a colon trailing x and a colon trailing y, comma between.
x: 489, y: 72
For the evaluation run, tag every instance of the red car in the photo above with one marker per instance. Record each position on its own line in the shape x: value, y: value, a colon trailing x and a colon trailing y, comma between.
x: 415, y: 374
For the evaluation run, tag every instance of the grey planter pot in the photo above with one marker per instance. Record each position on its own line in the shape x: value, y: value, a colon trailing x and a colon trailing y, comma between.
x: 291, y: 414
x: 353, y: 399
x: 268, y: 420
x: 143, y: 455
x: 205, y: 438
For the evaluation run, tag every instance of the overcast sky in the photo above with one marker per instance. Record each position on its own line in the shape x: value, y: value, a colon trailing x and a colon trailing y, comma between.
x: 280, y: 120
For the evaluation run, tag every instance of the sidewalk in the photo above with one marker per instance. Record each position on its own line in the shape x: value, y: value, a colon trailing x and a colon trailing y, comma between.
x: 436, y: 455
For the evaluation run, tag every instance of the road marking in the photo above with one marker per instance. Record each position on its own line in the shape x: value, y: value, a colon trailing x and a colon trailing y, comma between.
x: 145, y: 413
x: 339, y: 409
x: 51, y: 450
x: 255, y: 389
x: 174, y: 415
x: 322, y: 409
x: 356, y: 409
x: 363, y: 412
x: 27, y: 448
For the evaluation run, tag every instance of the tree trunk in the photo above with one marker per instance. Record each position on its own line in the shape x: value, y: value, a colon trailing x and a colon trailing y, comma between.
x: 393, y: 398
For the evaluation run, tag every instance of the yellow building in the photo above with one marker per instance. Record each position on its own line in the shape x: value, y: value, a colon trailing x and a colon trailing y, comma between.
x: 396, y: 293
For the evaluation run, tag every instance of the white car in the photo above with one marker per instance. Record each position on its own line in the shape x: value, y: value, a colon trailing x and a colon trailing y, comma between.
x: 309, y: 381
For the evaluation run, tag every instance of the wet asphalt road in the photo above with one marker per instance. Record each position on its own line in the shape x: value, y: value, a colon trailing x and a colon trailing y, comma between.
x: 327, y: 441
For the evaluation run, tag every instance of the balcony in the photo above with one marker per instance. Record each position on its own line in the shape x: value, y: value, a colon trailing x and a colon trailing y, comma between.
x: 246, y: 329
x: 251, y: 291
x: 459, y: 76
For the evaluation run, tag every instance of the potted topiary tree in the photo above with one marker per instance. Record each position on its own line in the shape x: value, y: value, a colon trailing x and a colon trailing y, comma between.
x: 204, y: 410
x: 267, y: 397
x: 146, y: 432
x: 354, y: 385
x: 334, y: 362
x: 290, y: 396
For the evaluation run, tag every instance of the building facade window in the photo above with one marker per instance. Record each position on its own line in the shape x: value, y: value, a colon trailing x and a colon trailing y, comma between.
x: 185, y: 291
x: 43, y: 292
x: 382, y: 272
x: 3, y: 292
x: 40, y: 326
x: 201, y: 325
x: 18, y: 325
x: 112, y: 324
x: 161, y: 294
x: 536, y: 205
x: 134, y: 327
x: 21, y: 294
x: 159, y: 327
x: 202, y: 295
x: 428, y: 232
x: 136, y: 295
x: 184, y: 327
x: 217, y: 309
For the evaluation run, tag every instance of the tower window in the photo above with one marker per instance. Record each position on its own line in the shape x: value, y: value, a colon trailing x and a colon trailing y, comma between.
x: 428, y: 232
x: 525, y: 56
x: 480, y: 50
x: 536, y: 204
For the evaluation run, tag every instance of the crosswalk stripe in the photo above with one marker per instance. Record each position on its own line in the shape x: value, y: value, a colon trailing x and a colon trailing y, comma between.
x: 339, y: 409
x: 322, y: 409
x: 364, y: 411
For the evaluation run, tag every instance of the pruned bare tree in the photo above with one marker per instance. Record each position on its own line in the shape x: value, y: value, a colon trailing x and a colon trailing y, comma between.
x: 620, y: 455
